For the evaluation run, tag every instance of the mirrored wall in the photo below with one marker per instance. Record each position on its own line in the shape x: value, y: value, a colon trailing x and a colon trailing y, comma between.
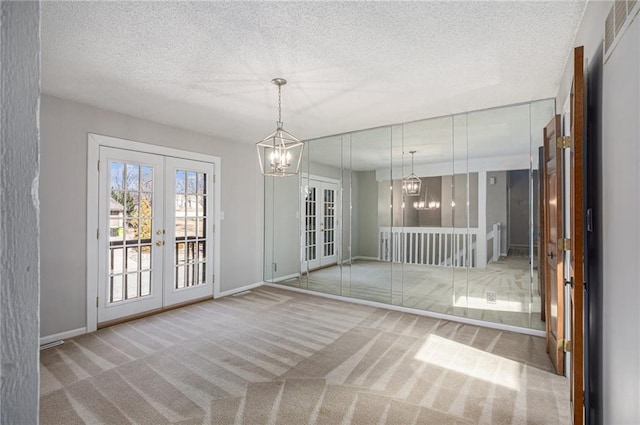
x: 461, y: 239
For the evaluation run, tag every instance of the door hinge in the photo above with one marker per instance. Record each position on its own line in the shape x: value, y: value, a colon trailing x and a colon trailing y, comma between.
x: 214, y: 228
x: 564, y: 142
x: 564, y: 345
x: 98, y: 234
x: 97, y: 301
x: 564, y: 244
x: 98, y: 165
x: 214, y: 278
x: 569, y: 282
x: 214, y: 178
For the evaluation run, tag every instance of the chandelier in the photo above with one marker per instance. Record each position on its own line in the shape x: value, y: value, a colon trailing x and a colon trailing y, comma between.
x: 280, y: 153
x: 411, y: 185
x: 426, y: 205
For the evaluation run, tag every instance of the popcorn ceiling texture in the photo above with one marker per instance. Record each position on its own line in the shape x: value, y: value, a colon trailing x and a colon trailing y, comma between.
x: 206, y: 66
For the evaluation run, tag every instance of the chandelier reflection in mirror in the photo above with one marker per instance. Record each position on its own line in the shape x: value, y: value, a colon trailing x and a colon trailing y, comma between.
x: 426, y: 204
x: 411, y: 185
x: 280, y: 153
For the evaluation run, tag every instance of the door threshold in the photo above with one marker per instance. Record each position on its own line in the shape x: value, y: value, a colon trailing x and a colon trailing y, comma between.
x: 151, y: 312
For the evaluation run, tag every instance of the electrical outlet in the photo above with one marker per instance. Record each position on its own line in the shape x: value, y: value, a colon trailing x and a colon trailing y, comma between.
x: 491, y: 297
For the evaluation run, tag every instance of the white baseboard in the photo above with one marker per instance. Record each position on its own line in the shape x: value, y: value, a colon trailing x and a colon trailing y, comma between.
x: 62, y: 335
x: 282, y: 278
x: 361, y: 257
x: 241, y: 289
x: 441, y: 316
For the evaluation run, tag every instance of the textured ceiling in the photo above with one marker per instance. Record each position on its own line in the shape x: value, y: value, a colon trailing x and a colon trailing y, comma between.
x: 207, y: 66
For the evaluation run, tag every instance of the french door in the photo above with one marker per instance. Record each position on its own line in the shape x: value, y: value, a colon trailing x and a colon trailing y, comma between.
x: 155, y: 232
x: 320, y: 223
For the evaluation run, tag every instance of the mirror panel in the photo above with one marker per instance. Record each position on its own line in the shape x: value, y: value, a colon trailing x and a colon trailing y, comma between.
x: 465, y: 245
x: 322, y: 187
x: 372, y: 215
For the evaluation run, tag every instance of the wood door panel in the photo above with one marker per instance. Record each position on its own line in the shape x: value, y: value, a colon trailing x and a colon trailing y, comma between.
x: 553, y: 230
x: 576, y: 257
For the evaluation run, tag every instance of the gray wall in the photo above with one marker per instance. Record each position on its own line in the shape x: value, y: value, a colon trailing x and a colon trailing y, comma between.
x: 618, y: 400
x: 365, y: 218
x: 281, y: 219
x: 518, y: 207
x: 345, y: 221
x: 497, y: 206
x: 63, y: 189
x: 457, y: 217
x: 431, y: 218
x: 621, y: 231
x: 19, y: 255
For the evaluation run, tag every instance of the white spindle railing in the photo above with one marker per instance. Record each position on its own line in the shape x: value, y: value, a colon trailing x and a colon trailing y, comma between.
x: 433, y: 246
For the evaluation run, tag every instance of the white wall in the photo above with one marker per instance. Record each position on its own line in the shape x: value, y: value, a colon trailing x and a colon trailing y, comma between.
x: 19, y: 158
x: 621, y: 231
x: 620, y: 206
x: 63, y: 188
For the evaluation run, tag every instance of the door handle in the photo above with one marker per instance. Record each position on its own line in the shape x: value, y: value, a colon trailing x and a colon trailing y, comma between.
x: 569, y: 282
x: 550, y: 255
x: 159, y: 243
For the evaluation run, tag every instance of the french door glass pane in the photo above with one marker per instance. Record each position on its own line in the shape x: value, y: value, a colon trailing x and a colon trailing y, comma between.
x: 329, y: 220
x: 190, y: 228
x: 310, y: 224
x: 130, y: 224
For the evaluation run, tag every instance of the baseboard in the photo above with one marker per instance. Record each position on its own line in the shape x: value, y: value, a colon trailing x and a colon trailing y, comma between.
x: 441, y: 316
x: 363, y: 258
x: 241, y: 289
x: 283, y: 278
x: 62, y: 335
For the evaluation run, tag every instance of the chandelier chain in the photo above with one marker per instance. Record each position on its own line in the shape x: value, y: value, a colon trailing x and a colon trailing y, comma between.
x: 280, y: 106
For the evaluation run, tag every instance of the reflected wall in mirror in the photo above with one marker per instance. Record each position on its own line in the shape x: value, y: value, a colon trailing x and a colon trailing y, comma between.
x: 466, y: 245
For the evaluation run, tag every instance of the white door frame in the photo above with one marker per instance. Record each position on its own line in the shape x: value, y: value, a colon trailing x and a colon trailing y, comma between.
x: 108, y: 310
x: 94, y: 142
x: 306, y: 177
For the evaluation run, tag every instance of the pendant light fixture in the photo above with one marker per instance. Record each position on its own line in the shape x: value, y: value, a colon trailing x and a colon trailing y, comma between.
x: 427, y: 203
x: 280, y: 153
x: 411, y: 185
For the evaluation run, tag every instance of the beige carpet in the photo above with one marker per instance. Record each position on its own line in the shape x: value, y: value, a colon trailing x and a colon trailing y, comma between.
x: 454, y: 291
x: 273, y: 356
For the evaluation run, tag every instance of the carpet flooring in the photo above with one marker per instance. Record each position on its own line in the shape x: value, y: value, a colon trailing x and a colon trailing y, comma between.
x: 454, y: 291
x: 273, y: 356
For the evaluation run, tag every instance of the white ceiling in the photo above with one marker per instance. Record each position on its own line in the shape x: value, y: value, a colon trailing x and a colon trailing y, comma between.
x: 207, y: 66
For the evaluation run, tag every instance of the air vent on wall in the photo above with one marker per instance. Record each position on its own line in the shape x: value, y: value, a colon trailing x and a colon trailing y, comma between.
x: 619, y: 18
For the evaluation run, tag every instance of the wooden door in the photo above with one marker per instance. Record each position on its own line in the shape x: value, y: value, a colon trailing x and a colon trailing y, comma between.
x: 553, y: 231
x: 576, y: 254
x: 541, y: 264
